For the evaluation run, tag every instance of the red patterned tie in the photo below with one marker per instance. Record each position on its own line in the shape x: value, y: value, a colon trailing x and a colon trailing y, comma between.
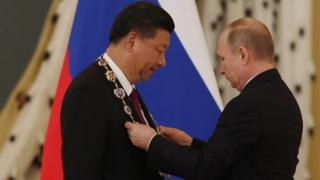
x: 137, y: 105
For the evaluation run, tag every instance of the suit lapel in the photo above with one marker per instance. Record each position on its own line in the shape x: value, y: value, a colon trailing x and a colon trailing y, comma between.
x: 128, y: 101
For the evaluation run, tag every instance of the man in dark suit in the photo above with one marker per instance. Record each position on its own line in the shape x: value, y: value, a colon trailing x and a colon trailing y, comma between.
x: 95, y: 145
x: 259, y: 131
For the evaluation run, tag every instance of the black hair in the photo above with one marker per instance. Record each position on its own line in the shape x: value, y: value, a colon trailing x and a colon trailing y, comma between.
x: 142, y: 17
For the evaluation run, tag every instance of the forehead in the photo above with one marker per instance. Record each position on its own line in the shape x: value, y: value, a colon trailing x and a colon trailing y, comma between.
x: 162, y: 37
x: 222, y: 42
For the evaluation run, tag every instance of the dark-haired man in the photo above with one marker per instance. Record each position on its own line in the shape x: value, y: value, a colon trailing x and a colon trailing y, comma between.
x: 100, y: 99
x: 258, y: 133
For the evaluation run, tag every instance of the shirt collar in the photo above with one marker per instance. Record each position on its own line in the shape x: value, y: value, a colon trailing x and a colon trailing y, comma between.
x: 248, y: 81
x: 127, y: 86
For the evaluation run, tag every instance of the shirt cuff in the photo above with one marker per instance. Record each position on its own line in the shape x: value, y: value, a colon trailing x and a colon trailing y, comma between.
x: 150, y: 141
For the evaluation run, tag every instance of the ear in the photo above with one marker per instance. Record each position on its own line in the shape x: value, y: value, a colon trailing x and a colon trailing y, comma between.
x: 130, y: 40
x: 244, y: 55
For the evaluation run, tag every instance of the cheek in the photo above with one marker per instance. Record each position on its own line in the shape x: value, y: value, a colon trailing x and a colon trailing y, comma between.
x: 154, y: 55
x: 221, y: 67
x: 146, y: 55
x: 225, y: 67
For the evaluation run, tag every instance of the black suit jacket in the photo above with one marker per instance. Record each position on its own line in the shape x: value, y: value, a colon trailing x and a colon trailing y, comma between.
x: 95, y: 143
x: 257, y: 137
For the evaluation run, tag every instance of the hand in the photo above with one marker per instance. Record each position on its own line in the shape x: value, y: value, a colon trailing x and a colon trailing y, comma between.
x: 140, y: 134
x: 176, y: 135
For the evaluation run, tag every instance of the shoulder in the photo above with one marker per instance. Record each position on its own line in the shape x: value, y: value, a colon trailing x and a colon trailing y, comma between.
x: 239, y: 107
x: 90, y: 76
x: 269, y: 94
x: 91, y: 82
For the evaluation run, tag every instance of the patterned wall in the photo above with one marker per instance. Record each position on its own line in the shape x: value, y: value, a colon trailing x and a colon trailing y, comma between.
x: 290, y: 22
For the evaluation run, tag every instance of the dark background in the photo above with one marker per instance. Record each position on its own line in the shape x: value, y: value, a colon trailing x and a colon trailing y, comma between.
x: 21, y: 24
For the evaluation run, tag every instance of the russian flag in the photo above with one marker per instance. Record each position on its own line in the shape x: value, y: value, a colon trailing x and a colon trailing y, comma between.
x: 183, y: 94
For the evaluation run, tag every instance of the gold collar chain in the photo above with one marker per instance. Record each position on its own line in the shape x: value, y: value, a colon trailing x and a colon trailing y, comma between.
x: 118, y: 91
x: 121, y: 94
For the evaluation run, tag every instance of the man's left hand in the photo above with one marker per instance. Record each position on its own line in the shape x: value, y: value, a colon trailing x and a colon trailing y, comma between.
x: 140, y: 134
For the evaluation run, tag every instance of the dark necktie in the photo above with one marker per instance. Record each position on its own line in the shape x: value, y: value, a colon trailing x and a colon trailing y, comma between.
x: 137, y: 105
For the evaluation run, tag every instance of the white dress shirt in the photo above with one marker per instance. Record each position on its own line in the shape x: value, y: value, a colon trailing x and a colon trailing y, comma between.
x: 124, y: 81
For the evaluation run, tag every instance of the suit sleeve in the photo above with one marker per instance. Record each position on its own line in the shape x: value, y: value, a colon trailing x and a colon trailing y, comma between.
x: 236, y: 133
x: 197, y: 143
x: 84, y: 130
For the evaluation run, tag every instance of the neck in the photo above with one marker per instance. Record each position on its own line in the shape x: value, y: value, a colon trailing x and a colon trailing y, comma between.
x: 255, y: 70
x: 262, y: 66
x: 120, y: 59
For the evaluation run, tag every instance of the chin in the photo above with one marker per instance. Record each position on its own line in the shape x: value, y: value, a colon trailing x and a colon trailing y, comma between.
x: 145, y: 78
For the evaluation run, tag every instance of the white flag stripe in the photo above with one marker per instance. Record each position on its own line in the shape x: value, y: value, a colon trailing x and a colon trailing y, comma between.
x: 190, y: 33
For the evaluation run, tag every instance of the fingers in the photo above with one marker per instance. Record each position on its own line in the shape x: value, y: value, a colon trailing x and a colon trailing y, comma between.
x: 128, y: 125
x: 165, y: 127
x: 134, y: 128
x: 168, y: 130
x: 139, y: 134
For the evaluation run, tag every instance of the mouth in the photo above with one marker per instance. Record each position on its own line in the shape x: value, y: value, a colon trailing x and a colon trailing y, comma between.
x: 153, y: 70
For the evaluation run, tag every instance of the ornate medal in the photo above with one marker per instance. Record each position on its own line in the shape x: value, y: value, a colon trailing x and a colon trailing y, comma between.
x: 119, y: 92
x: 102, y: 62
x: 111, y: 76
x: 127, y: 109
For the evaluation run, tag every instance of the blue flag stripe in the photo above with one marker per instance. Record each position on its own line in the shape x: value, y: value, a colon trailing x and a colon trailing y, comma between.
x: 176, y: 95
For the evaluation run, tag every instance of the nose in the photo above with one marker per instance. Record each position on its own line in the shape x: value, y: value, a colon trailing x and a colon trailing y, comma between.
x: 221, y: 69
x: 162, y: 62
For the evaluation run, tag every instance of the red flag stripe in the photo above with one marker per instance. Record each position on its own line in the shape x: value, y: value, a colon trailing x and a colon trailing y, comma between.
x: 51, y: 158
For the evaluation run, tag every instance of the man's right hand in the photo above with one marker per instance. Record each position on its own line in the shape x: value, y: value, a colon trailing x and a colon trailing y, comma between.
x: 176, y: 135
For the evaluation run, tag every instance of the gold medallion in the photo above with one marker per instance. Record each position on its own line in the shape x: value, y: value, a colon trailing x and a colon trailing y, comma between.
x: 128, y: 110
x: 119, y: 92
x: 111, y: 76
x: 102, y: 62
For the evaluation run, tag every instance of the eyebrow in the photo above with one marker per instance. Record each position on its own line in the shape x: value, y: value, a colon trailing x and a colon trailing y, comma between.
x: 220, y: 57
x: 163, y: 46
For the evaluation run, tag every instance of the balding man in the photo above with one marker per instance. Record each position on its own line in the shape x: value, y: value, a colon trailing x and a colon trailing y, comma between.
x: 259, y: 131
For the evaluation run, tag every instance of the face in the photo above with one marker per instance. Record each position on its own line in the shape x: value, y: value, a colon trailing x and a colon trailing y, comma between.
x: 149, y: 55
x: 230, y: 63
